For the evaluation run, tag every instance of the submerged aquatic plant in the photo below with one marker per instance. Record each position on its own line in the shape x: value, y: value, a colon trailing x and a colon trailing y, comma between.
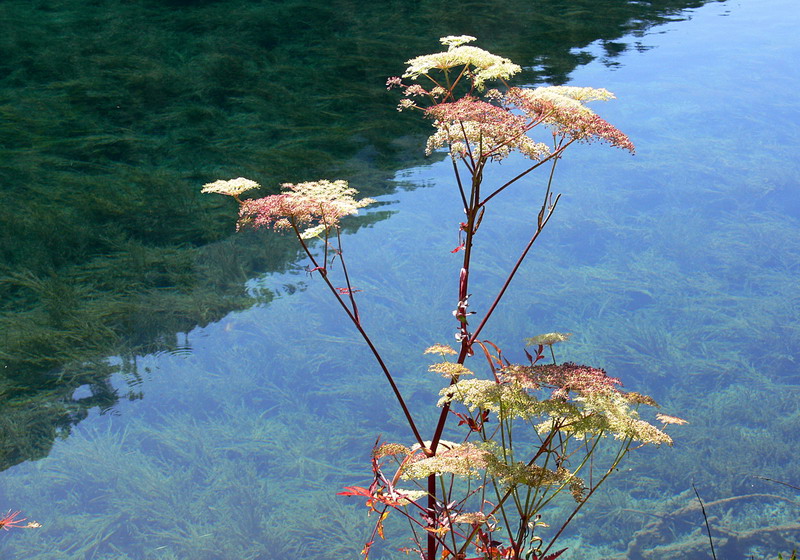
x: 526, y: 432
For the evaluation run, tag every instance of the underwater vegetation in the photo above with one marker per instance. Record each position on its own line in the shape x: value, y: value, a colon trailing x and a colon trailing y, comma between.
x: 715, y: 292
x: 111, y: 112
x: 160, y: 491
x: 215, y: 469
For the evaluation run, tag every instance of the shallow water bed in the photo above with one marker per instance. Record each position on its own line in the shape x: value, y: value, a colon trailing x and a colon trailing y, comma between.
x: 676, y: 270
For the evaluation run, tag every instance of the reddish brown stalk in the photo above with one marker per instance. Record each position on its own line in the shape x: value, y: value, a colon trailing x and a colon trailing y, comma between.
x: 452, y: 87
x: 460, y: 186
x: 463, y: 291
x: 354, y: 319
x: 556, y: 154
x: 545, y: 213
x: 473, y: 166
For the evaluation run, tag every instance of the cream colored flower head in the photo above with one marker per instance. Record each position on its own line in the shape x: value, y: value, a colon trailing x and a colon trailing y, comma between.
x: 443, y: 349
x: 466, y: 459
x: 453, y: 41
x: 482, y: 65
x: 450, y: 369
x: 582, y: 94
x: 667, y: 419
x: 319, y: 203
x: 547, y: 339
x: 232, y: 187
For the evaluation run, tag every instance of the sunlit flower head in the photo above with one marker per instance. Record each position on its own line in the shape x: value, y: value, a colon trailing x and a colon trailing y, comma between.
x: 322, y: 203
x: 453, y: 41
x: 450, y: 369
x: 232, y: 187
x: 405, y: 497
x: 611, y: 413
x: 482, y: 65
x: 315, y: 231
x: 465, y: 459
x: 505, y: 399
x: 581, y: 94
x: 442, y: 349
x: 563, y: 379
x: 474, y: 128
x: 562, y: 109
x: 472, y: 518
x: 386, y: 449
x: 667, y: 419
x: 547, y: 339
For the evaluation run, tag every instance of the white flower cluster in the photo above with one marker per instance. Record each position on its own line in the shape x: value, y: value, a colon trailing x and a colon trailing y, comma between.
x: 505, y: 399
x: 232, y: 187
x: 482, y: 65
x: 466, y: 459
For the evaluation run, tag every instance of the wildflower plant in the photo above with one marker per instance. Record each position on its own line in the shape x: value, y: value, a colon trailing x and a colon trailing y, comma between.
x: 11, y: 520
x: 530, y: 432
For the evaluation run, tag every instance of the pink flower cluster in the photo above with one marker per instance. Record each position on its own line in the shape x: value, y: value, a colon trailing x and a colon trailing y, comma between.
x: 562, y: 379
x: 470, y: 127
x: 321, y: 202
x: 566, y: 114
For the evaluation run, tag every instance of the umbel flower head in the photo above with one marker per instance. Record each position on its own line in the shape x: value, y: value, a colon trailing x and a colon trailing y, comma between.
x: 321, y: 203
x: 561, y: 378
x: 547, y: 339
x: 231, y: 187
x: 583, y: 401
x: 476, y: 128
x: 466, y: 459
x: 493, y: 125
x: 563, y: 109
x: 480, y: 65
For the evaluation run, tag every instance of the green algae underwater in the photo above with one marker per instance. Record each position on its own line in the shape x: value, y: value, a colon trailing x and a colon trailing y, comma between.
x: 114, y: 112
x: 675, y: 268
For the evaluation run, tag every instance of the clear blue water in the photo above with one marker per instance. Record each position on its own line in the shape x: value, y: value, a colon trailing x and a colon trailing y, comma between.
x: 675, y: 268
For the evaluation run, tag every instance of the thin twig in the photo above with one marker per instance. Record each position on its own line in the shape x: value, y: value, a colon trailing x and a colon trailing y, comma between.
x: 365, y: 336
x: 776, y: 481
x: 556, y: 154
x: 705, y: 518
x: 347, y: 279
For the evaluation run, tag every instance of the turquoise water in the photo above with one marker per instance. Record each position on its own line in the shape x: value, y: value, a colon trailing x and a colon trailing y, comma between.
x: 675, y: 268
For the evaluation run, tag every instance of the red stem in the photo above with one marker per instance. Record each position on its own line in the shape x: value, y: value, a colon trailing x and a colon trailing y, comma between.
x: 353, y: 317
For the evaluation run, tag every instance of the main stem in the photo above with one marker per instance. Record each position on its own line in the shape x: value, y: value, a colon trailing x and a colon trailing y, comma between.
x: 472, y: 210
x: 463, y: 292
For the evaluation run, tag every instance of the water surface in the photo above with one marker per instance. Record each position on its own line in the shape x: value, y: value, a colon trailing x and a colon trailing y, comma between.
x: 675, y: 268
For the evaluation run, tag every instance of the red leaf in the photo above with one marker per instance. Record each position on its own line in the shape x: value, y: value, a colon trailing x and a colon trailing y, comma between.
x: 554, y: 555
x: 347, y: 291
x: 365, y: 550
x: 355, y: 491
x: 528, y: 355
